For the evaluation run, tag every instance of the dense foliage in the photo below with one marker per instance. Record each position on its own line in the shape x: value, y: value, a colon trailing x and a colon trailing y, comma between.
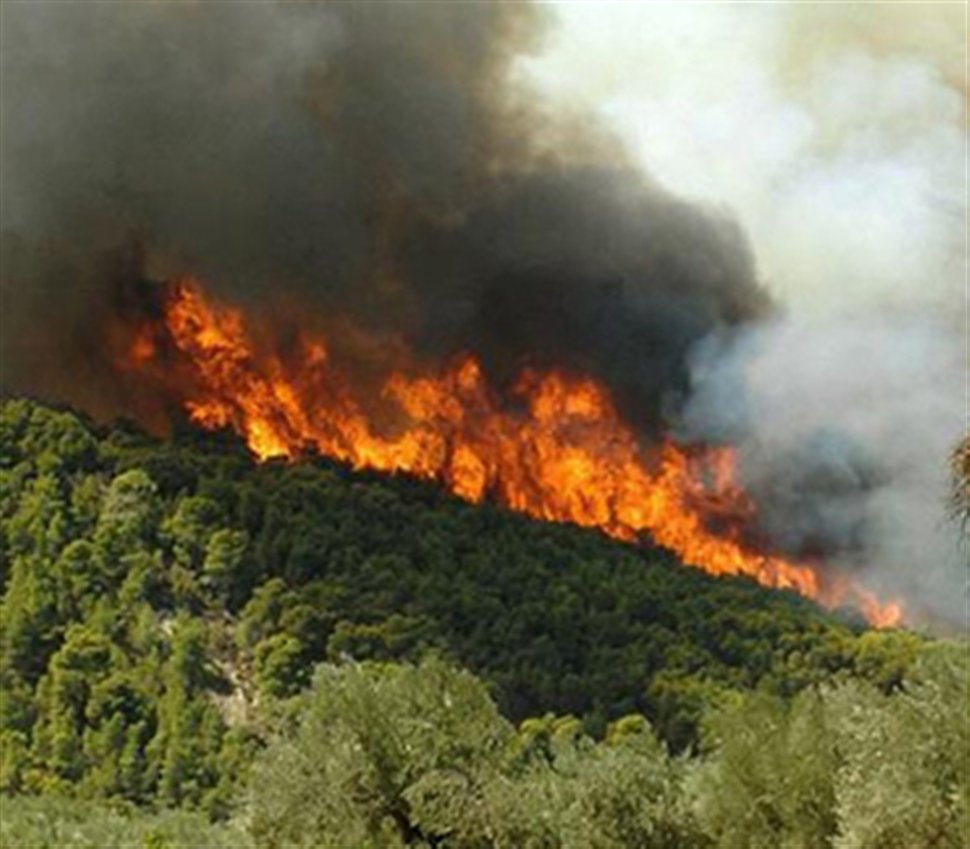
x: 390, y: 755
x: 165, y: 603
x: 54, y: 822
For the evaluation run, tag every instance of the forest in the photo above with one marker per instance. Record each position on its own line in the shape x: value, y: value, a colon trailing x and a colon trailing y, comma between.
x: 269, y: 655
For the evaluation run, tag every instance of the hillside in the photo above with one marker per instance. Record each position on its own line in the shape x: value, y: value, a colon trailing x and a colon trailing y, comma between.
x: 160, y: 597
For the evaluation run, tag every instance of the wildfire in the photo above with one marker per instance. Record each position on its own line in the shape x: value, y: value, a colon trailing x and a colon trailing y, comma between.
x: 560, y: 452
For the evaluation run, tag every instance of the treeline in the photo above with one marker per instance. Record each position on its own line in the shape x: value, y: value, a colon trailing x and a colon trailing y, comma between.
x: 164, y: 603
x: 379, y: 755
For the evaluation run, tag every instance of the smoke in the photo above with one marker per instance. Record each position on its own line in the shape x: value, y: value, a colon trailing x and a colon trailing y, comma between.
x: 843, y: 426
x: 379, y: 164
x: 837, y: 135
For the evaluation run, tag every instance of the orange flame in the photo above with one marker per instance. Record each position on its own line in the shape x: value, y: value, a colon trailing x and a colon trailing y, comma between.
x: 561, y: 454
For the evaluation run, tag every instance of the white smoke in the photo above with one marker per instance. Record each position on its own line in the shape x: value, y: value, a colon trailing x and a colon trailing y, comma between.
x: 836, y: 134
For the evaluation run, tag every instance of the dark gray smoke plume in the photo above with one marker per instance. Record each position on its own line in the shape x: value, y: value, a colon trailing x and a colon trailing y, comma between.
x: 375, y: 163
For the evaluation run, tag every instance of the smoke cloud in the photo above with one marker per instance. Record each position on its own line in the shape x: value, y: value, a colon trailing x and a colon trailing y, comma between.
x: 379, y: 164
x: 837, y: 135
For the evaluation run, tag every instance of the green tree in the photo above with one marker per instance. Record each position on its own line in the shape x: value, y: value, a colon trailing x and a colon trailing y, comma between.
x: 906, y: 776
x: 570, y: 791
x: 189, y: 529
x: 382, y: 756
x: 129, y: 517
x: 185, y: 749
x: 225, y: 552
x: 769, y: 782
x: 63, y: 695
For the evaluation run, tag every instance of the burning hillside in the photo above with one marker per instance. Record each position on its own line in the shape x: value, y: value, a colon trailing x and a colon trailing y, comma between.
x: 555, y: 448
x: 413, y: 261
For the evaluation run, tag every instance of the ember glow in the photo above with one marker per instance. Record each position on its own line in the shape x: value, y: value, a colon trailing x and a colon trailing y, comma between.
x: 557, y: 450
